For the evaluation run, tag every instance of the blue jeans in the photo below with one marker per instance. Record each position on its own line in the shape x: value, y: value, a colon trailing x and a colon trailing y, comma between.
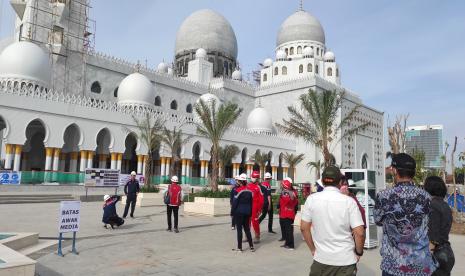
x: 387, y: 274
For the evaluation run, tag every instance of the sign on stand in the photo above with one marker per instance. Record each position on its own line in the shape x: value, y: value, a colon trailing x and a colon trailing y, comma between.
x: 69, y: 217
x: 124, y: 178
x: 10, y: 178
x: 101, y: 177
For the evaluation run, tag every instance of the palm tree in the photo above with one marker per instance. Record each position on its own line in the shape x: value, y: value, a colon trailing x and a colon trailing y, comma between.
x: 293, y: 160
x: 213, y: 123
x: 315, y: 121
x: 227, y: 153
x: 317, y: 165
x: 149, y: 134
x: 260, y: 159
x: 174, y: 140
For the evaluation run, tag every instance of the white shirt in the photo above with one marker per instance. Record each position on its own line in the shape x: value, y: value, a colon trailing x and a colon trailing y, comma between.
x: 332, y: 215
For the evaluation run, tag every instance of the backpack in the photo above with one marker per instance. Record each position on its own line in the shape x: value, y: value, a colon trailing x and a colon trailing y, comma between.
x: 167, y: 198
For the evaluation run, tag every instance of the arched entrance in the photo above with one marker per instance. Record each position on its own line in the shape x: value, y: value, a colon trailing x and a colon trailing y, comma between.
x: 129, y: 162
x: 256, y: 166
x: 268, y: 167
x: 70, y: 149
x: 279, y: 175
x: 243, y: 166
x: 196, y: 160
x: 33, y: 154
x: 102, y: 152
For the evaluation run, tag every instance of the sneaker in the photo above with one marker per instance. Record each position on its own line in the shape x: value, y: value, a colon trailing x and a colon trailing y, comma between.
x: 290, y: 248
x: 252, y: 249
x: 176, y: 230
x: 169, y: 230
x: 237, y: 250
x: 132, y: 216
x: 233, y: 228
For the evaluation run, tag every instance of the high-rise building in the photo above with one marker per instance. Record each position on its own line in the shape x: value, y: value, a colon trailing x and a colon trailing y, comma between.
x: 428, y: 139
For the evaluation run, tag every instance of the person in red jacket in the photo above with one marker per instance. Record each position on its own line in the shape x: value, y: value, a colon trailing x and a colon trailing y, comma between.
x: 176, y: 195
x: 288, y: 202
x: 257, y: 204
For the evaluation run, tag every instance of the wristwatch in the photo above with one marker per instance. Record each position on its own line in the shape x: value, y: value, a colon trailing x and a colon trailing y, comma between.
x: 358, y: 254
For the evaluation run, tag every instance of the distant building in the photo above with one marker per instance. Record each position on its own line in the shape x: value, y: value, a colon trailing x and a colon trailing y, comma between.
x: 429, y: 140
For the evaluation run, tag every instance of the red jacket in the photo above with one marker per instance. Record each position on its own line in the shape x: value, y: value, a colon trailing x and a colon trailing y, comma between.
x: 288, y: 201
x: 175, y: 192
x: 257, y: 195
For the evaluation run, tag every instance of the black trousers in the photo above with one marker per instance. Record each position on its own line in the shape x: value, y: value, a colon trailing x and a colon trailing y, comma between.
x: 115, y: 221
x: 287, y: 231
x: 130, y: 200
x: 243, y: 222
x: 270, y: 216
x: 172, y: 210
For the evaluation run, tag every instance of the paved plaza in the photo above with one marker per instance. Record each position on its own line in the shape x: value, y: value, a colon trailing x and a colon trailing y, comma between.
x: 143, y: 247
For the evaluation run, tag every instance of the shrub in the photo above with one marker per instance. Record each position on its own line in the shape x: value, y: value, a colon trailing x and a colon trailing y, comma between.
x: 149, y: 189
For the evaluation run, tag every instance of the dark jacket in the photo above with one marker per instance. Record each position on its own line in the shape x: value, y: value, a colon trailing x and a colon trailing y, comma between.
x: 232, y: 194
x: 242, y: 203
x: 440, y: 221
x: 131, y: 188
x: 265, y: 193
x: 109, y: 209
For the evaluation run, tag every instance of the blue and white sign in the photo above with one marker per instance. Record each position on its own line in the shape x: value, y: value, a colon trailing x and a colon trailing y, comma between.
x: 10, y: 178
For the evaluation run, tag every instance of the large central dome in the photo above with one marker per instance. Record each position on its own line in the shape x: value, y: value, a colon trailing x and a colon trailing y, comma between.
x: 300, y: 26
x: 209, y: 30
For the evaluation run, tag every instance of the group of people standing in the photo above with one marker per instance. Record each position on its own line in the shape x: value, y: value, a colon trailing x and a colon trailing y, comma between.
x: 252, y: 202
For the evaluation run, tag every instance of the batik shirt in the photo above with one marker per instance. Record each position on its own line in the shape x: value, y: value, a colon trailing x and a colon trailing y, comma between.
x: 403, y: 211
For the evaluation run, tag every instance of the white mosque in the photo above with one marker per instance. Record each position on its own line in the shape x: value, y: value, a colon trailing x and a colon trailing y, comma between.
x: 65, y: 108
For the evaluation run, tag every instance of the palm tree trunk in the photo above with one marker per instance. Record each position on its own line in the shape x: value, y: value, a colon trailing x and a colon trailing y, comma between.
x: 172, y: 165
x: 214, y: 174
x: 326, y: 156
x: 148, y: 169
x: 223, y: 167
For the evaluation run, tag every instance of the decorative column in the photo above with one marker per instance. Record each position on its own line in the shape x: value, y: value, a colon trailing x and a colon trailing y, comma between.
x: 17, y: 160
x: 102, y: 161
x: 114, y: 157
x: 9, y: 148
x: 202, y: 168
x: 56, y: 159
x: 83, y: 163
x: 90, y: 159
x: 188, y: 167
x: 73, y: 161
x: 167, y: 167
x: 285, y: 169
x: 249, y: 170
x: 119, y: 161
x: 183, y: 167
x: 140, y: 159
x: 48, y: 158
x: 162, y: 166
x: 144, y: 163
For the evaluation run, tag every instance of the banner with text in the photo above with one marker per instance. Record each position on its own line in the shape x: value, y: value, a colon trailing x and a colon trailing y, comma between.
x: 69, y: 216
x: 10, y: 178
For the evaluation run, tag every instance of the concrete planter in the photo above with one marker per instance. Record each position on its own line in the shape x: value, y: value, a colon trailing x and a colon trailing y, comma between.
x: 147, y: 199
x: 208, y: 206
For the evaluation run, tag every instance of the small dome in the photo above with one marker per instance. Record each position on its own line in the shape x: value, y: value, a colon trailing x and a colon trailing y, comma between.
x: 209, y: 30
x: 170, y: 71
x: 329, y: 56
x: 200, y: 53
x: 26, y: 60
x: 209, y: 98
x: 308, y: 52
x: 162, y: 67
x: 300, y: 26
x: 136, y: 89
x: 268, y: 62
x: 237, y: 75
x: 280, y: 55
x: 259, y: 120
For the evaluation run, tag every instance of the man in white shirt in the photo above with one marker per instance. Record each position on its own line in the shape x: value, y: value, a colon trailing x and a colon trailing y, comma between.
x: 333, y: 228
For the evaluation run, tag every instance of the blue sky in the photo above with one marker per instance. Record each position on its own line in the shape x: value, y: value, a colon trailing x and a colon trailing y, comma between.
x: 399, y: 56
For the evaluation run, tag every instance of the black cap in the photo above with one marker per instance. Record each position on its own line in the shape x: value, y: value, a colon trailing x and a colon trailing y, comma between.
x: 331, y: 175
x: 403, y: 161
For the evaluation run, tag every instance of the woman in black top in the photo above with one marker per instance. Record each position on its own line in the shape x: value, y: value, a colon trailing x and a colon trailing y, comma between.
x: 440, y: 222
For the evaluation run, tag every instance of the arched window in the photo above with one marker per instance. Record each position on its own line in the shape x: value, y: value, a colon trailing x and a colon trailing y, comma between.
x: 316, y: 69
x: 95, y: 87
x: 174, y: 105
x: 157, y: 101
x: 299, y: 50
x: 337, y: 72
x: 301, y: 68
x: 284, y: 70
x: 225, y: 68
x: 189, y: 108
x: 276, y: 71
x: 309, y: 67
x: 265, y: 77
x: 291, y: 51
x: 365, y: 161
x: 186, y: 66
x: 330, y: 72
x: 317, y: 51
x: 287, y: 51
x: 115, y: 92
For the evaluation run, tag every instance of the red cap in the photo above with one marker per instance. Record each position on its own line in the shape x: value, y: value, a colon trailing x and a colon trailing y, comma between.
x: 287, y: 183
x: 255, y: 174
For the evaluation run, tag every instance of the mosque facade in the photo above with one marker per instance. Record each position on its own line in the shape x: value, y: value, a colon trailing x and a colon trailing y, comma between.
x: 65, y: 107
